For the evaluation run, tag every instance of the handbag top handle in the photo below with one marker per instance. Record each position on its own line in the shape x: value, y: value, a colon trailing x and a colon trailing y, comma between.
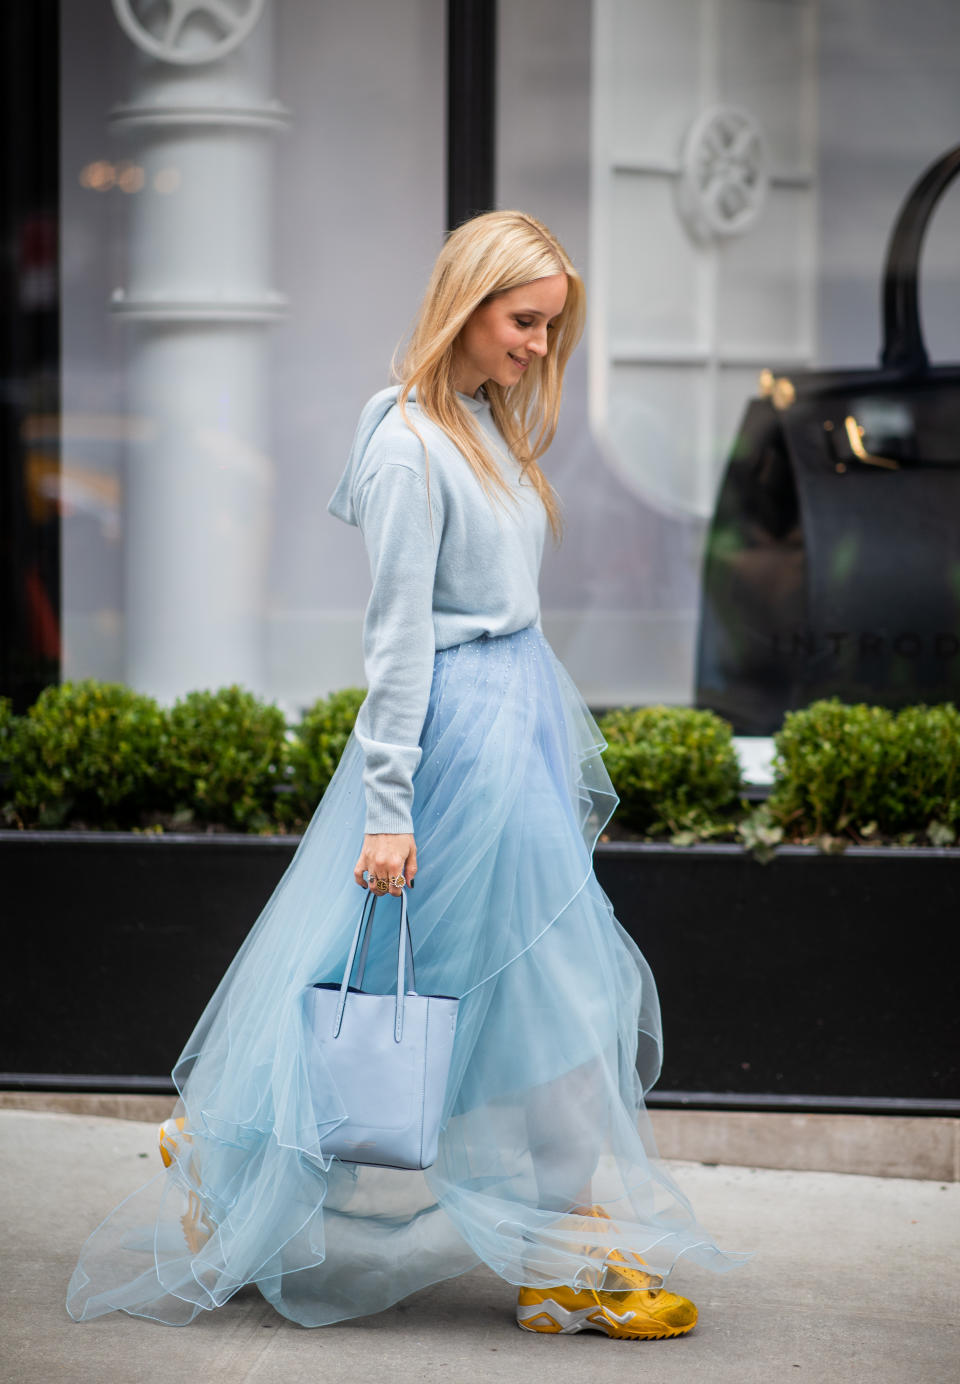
x: 404, y: 960
x: 903, y: 344
x: 406, y: 941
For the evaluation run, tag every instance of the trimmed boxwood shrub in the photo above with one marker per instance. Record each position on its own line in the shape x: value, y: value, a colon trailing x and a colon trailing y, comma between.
x: 7, y: 724
x: 101, y: 755
x: 674, y: 768
x: 225, y: 752
x: 924, y: 786
x: 860, y: 769
x: 86, y: 750
x: 314, y: 750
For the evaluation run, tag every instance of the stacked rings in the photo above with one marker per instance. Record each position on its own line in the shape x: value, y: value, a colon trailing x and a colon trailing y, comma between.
x: 382, y: 885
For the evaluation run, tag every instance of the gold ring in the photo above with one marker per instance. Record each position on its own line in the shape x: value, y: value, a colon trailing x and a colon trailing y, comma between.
x: 399, y: 881
x: 382, y: 886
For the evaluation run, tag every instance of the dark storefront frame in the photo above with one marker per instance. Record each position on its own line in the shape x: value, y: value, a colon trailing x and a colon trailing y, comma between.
x: 30, y: 615
x: 471, y: 106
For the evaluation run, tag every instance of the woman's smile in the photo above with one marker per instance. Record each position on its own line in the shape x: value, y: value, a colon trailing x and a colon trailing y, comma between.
x: 504, y: 335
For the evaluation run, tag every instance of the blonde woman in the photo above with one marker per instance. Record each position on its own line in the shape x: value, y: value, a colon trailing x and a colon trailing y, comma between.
x: 474, y: 768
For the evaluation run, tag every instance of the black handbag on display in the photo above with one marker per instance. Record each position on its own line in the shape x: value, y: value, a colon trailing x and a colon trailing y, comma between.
x: 832, y: 565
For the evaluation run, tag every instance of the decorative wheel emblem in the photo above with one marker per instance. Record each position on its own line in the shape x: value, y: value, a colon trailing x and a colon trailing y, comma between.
x: 187, y: 31
x: 723, y: 173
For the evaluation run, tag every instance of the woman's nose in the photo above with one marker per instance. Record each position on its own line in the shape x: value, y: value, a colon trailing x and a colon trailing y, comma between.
x: 538, y: 343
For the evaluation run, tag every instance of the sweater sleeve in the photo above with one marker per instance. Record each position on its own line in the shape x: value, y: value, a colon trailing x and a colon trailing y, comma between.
x: 398, y: 639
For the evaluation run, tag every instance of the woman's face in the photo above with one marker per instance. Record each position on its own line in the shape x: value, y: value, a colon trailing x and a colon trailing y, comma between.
x: 502, y: 337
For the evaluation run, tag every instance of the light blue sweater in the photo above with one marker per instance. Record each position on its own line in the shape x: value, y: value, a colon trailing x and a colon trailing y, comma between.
x: 476, y: 573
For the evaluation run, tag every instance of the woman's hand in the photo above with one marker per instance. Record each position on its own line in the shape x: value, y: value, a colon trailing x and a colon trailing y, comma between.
x: 386, y: 854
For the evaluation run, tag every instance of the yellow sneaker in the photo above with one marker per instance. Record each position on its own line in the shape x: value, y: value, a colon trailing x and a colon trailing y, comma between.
x: 171, y: 1138
x: 648, y: 1315
x: 621, y: 1269
x: 195, y: 1222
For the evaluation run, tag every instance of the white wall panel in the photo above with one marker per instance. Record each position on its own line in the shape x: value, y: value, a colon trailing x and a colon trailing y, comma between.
x: 653, y: 74
x: 730, y: 298
x: 360, y: 220
x: 766, y: 61
x: 657, y: 410
x: 765, y: 287
x: 654, y: 293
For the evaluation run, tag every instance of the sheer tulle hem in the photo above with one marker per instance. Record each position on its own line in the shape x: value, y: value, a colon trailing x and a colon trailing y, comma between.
x: 558, y: 1040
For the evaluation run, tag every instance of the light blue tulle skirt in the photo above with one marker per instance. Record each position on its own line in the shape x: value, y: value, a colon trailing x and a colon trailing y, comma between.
x: 557, y: 1042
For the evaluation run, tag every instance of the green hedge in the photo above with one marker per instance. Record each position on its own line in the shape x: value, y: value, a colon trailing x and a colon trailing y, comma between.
x: 316, y: 745
x: 673, y: 768
x: 8, y: 723
x: 861, y: 769
x: 101, y: 755
x: 86, y: 751
x: 98, y: 754
x: 224, y: 755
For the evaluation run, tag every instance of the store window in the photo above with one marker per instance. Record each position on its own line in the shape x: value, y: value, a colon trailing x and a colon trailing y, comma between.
x: 729, y: 172
x: 244, y: 216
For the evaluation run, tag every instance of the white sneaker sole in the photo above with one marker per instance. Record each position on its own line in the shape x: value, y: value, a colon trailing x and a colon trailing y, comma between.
x: 550, y: 1319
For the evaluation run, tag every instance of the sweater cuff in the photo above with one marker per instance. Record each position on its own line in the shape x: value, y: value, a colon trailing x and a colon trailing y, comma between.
x: 387, y: 780
x: 387, y: 811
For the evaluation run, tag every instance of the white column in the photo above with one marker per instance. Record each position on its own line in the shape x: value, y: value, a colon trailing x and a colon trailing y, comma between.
x: 199, y: 480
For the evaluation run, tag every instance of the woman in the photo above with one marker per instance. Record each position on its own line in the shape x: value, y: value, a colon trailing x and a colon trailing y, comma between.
x: 474, y: 755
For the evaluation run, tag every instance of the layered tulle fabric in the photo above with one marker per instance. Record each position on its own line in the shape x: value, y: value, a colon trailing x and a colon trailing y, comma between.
x: 558, y: 1039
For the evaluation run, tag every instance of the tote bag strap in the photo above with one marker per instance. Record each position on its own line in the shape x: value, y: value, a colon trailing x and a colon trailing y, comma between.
x: 405, y: 941
x: 404, y: 960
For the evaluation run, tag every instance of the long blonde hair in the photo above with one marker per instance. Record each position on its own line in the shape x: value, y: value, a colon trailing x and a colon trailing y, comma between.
x: 487, y: 255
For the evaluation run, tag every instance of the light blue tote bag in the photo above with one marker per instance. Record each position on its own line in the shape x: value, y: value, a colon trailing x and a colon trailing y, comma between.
x: 388, y: 1056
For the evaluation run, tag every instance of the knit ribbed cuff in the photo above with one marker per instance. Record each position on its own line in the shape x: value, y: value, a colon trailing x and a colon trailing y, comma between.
x: 388, y: 812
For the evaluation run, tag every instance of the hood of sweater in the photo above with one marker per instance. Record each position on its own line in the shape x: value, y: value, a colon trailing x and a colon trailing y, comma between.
x: 341, y: 504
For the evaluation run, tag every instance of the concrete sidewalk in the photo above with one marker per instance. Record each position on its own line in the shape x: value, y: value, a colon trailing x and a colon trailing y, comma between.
x: 855, y: 1278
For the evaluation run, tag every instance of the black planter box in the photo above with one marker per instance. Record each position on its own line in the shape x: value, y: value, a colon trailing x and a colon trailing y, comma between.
x: 811, y: 981
x: 826, y: 976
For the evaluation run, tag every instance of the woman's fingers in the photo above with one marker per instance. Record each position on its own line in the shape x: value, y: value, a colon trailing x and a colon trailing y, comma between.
x: 386, y: 857
x: 411, y: 865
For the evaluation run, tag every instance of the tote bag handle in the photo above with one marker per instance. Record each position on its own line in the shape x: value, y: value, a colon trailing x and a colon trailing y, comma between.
x: 361, y: 940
